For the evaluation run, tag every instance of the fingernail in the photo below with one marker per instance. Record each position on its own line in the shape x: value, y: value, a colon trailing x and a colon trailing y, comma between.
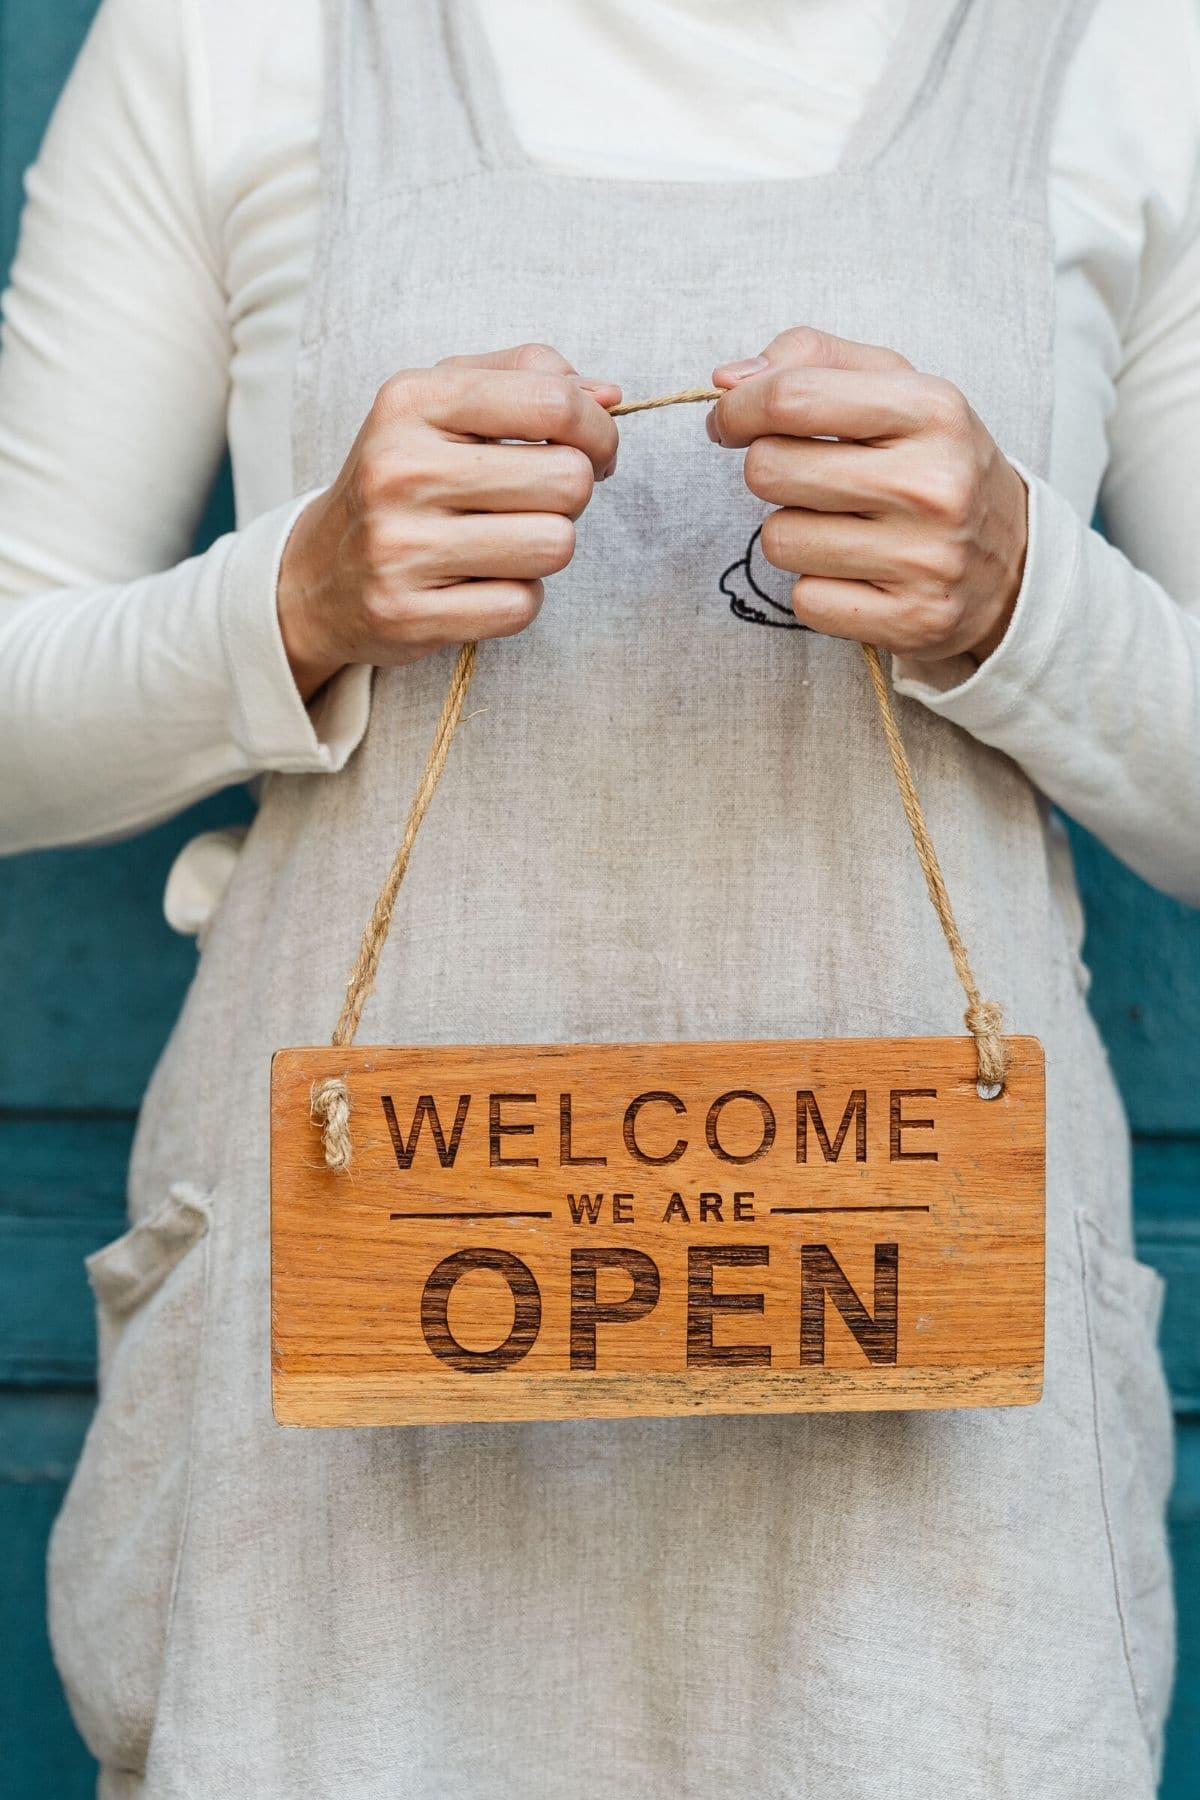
x: 750, y: 365
x: 610, y: 470
x: 710, y: 425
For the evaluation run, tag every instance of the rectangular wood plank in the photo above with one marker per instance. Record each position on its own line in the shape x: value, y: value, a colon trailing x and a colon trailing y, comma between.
x: 596, y: 1230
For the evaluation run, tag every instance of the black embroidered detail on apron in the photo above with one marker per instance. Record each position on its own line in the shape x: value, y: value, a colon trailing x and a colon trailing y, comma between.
x: 757, y: 591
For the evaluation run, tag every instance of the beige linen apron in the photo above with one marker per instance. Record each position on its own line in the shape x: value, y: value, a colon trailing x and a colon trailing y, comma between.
x: 667, y: 817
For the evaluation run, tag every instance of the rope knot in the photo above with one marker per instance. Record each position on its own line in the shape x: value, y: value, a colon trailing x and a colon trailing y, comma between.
x: 985, y: 1021
x: 329, y: 1105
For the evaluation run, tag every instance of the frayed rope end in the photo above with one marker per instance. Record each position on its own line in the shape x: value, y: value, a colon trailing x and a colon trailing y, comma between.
x: 329, y: 1107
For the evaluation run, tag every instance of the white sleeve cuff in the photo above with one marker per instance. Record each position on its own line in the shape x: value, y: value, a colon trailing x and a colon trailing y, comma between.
x: 271, y: 723
x: 982, y: 697
x: 1094, y: 691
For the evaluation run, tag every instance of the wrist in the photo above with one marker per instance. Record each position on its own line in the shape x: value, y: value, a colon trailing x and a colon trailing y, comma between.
x: 300, y: 603
x: 992, y: 639
x: 1013, y: 566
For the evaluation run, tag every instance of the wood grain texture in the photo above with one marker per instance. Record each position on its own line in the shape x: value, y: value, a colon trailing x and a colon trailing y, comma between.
x: 601, y: 1230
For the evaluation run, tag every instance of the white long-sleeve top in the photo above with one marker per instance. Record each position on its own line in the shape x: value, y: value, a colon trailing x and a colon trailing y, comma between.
x: 154, y: 310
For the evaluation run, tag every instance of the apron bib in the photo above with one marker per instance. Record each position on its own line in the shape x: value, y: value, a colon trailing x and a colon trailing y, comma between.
x: 845, y: 1606
x: 365, y: 1271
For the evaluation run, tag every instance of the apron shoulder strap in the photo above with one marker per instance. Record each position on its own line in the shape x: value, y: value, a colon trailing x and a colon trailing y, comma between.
x: 986, y: 103
x: 396, y: 112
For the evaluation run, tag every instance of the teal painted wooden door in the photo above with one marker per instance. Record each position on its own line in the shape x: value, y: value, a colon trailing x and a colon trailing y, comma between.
x: 90, y: 979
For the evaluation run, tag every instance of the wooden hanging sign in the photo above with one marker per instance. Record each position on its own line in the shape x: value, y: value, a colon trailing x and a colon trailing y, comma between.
x: 607, y: 1230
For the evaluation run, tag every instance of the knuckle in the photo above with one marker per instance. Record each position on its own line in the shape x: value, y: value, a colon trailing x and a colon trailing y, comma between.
x: 949, y: 491
x: 553, y: 404
x: 787, y: 399
x: 375, y: 542
x: 539, y: 356
x: 940, y: 614
x: 773, y: 539
x: 366, y: 485
x: 379, y: 607
x: 941, y: 486
x: 903, y: 482
x: 388, y: 541
x: 802, y: 599
x: 555, y: 543
x: 808, y: 342
x: 762, y: 469
x: 925, y: 626
x: 409, y: 479
x: 382, y: 479
x: 934, y: 562
x: 517, y: 605
x: 952, y: 561
x: 945, y: 405
x: 400, y: 392
x: 573, y: 479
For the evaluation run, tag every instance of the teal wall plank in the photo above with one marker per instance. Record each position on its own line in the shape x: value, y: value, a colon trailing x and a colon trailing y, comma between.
x: 38, y: 41
x: 63, y: 1165
x: 43, y: 1759
x: 91, y: 979
x: 1144, y: 953
x: 97, y: 983
x: 48, y: 1337
x: 1166, y: 1178
x: 1181, y: 1776
x: 83, y: 1023
x: 1167, y: 1191
x: 41, y: 1756
x: 62, y: 1195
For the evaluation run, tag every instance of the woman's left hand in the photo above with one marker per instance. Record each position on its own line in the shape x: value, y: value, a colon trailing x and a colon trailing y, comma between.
x: 909, y: 530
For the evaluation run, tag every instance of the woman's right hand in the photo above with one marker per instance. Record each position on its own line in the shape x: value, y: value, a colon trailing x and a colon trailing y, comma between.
x: 435, y: 532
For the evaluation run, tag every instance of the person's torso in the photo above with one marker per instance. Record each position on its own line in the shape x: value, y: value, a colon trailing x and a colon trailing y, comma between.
x: 794, y: 94
x: 668, y: 815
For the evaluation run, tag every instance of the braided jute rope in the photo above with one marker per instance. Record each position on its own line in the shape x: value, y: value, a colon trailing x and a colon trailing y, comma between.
x: 330, y: 1099
x: 684, y: 397
x: 984, y: 1019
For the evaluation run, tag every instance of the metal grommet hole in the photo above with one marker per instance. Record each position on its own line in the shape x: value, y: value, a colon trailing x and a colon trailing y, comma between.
x: 989, y: 1090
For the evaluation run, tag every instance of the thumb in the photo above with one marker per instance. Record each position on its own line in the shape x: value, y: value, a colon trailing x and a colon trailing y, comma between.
x: 804, y: 347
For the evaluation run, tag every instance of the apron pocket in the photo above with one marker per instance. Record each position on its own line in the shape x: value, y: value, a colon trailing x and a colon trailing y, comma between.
x: 115, y: 1544
x: 1135, y: 1446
